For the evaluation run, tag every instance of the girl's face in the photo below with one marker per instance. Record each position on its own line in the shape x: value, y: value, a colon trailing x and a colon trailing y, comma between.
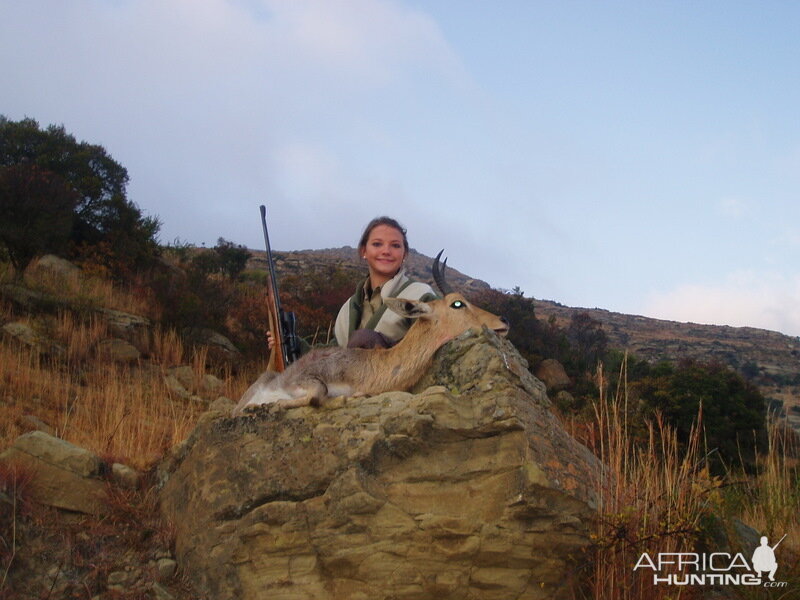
x: 384, y: 252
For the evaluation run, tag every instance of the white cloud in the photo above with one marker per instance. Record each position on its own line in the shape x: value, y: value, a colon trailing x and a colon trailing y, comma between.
x: 743, y: 299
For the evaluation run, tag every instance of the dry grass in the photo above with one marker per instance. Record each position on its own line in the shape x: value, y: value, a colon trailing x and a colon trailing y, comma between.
x: 14, y: 484
x: 651, y: 499
x: 167, y: 347
x: 107, y: 408
x: 772, y: 498
x: 657, y: 497
x: 78, y: 337
x: 123, y: 411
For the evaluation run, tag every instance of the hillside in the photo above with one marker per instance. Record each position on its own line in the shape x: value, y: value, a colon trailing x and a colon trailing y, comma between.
x: 88, y: 368
x: 772, y: 359
x: 418, y: 265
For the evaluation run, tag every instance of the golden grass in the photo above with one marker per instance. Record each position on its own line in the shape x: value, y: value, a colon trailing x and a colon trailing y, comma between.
x: 659, y: 496
x: 167, y: 347
x: 108, y: 409
x: 120, y: 411
x: 77, y: 336
x: 772, y: 504
x: 651, y: 499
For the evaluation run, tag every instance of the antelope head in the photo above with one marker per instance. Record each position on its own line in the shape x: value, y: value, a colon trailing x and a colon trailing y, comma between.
x: 449, y: 316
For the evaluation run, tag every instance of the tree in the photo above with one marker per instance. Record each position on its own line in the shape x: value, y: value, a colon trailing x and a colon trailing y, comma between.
x: 233, y: 259
x: 102, y: 213
x: 587, y: 337
x: 733, y: 410
x: 37, y: 207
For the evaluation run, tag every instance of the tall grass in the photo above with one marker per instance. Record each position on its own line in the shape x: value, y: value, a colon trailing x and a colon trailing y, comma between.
x: 77, y: 336
x: 657, y: 496
x: 652, y: 497
x: 106, y: 408
x: 167, y: 347
x: 111, y: 409
x: 120, y: 411
x: 771, y: 502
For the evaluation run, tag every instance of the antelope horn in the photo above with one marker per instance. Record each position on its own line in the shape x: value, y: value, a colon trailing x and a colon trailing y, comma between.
x: 438, y: 276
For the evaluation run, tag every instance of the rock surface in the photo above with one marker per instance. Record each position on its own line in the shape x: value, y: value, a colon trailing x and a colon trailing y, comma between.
x: 117, y: 350
x: 552, y: 374
x: 219, y: 347
x: 64, y: 475
x: 26, y: 335
x: 468, y: 488
x: 57, y: 265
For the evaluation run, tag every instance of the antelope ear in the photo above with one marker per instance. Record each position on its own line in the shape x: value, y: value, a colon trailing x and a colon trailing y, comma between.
x: 411, y: 309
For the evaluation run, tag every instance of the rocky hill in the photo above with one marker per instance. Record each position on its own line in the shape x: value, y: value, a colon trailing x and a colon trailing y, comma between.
x: 770, y: 358
x: 418, y: 266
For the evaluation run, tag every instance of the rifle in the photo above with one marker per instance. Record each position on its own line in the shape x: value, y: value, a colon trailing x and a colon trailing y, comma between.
x: 780, y: 540
x: 282, y: 325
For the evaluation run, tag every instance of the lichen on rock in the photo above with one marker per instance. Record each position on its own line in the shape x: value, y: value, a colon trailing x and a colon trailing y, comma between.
x: 466, y: 488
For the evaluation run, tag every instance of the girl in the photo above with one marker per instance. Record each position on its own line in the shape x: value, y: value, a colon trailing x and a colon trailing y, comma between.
x: 364, y: 321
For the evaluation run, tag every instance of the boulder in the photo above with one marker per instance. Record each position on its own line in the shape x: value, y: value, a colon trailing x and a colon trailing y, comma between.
x: 124, y: 476
x: 123, y: 324
x: 220, y: 348
x: 24, y: 334
x: 468, y: 488
x: 63, y: 475
x: 54, y: 269
x: 61, y: 267
x: 117, y: 350
x: 176, y: 387
x: 34, y: 423
x: 185, y: 375
x: 185, y: 380
x: 553, y: 375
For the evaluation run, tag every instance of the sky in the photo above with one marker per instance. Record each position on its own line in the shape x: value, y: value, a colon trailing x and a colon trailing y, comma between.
x: 640, y: 157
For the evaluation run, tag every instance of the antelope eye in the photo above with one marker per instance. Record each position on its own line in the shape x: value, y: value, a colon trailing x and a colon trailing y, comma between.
x: 457, y: 304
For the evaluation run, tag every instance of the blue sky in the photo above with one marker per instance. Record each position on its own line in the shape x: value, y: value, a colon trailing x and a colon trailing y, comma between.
x: 642, y: 157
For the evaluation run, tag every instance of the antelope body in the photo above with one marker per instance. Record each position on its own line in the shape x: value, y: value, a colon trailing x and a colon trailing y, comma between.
x: 331, y: 372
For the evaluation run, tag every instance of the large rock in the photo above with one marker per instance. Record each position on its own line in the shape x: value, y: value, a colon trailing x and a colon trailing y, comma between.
x: 63, y: 475
x: 25, y: 335
x: 117, y: 350
x: 552, y: 374
x: 60, y: 267
x: 125, y: 325
x: 467, y: 489
x: 220, y: 348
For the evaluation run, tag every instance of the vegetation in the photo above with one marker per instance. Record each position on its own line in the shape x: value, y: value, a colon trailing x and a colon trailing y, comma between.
x: 63, y: 196
x: 38, y: 208
x: 662, y: 497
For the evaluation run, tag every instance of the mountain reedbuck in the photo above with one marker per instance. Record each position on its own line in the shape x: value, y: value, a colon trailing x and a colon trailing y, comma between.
x: 330, y: 372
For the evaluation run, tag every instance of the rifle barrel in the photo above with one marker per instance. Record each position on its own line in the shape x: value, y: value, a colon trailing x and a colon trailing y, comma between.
x: 779, y: 541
